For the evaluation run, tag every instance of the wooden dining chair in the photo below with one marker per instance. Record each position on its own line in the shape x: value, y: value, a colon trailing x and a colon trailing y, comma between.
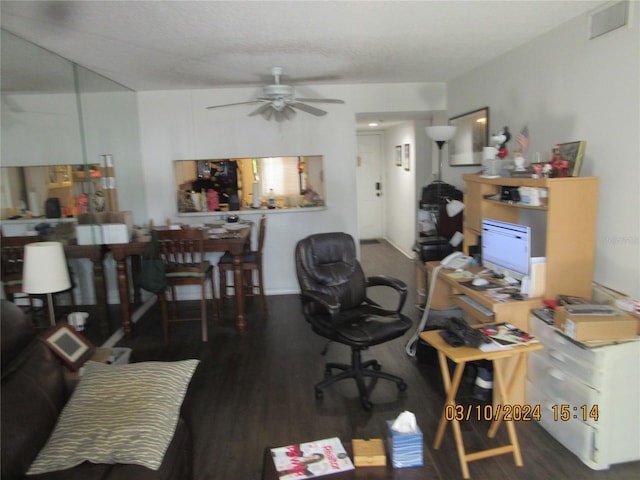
x: 183, y: 254
x: 252, y: 267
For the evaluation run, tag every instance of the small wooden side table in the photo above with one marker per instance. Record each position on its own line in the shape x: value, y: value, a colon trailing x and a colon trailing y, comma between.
x: 450, y: 414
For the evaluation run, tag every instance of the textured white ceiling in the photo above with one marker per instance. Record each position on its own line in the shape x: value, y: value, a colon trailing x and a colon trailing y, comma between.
x: 156, y: 45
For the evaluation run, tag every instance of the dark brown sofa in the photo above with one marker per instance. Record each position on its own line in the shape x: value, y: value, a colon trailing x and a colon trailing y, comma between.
x: 33, y: 394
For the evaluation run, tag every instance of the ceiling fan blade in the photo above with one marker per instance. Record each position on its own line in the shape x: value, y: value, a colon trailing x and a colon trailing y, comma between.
x: 232, y: 104
x: 261, y: 109
x: 267, y: 114
x: 288, y: 112
x: 308, y: 108
x: 319, y: 100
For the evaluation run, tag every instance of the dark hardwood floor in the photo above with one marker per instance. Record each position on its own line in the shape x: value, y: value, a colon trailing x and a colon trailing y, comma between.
x: 256, y: 390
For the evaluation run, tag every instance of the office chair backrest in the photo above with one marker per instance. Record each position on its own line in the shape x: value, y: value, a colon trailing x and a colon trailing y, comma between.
x: 327, y: 263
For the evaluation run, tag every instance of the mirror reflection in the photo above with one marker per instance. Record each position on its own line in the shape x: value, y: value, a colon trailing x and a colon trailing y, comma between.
x: 231, y: 184
x: 25, y: 190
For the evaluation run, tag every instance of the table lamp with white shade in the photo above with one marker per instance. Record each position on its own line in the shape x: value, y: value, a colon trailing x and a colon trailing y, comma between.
x: 45, y: 271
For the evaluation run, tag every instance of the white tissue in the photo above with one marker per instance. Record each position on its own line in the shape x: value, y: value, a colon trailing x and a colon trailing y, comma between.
x: 405, y: 423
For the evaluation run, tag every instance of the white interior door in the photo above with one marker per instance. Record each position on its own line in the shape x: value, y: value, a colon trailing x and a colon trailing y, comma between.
x: 369, y: 187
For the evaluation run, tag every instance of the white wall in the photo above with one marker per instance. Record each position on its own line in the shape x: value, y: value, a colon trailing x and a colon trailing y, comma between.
x: 175, y: 125
x: 561, y: 85
x: 566, y: 88
x: 400, y: 188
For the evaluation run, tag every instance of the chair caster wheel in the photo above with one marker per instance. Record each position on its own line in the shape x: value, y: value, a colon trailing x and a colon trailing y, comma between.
x: 377, y: 367
x: 319, y: 394
x: 402, y: 386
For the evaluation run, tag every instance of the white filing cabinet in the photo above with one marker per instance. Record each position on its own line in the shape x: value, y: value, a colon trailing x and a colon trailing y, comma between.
x: 608, y: 377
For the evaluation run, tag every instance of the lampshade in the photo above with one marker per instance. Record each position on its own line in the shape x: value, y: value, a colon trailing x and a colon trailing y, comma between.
x: 454, y: 207
x: 441, y: 133
x: 45, y: 268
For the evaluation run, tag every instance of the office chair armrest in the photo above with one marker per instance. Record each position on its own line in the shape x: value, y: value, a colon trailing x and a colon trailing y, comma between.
x: 330, y: 304
x: 396, y: 284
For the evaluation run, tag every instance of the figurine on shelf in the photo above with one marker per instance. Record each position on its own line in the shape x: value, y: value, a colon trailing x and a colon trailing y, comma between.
x: 500, y: 140
x: 520, y: 162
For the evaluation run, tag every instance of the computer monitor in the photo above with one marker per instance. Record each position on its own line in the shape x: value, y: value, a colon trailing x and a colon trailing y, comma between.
x: 506, y: 248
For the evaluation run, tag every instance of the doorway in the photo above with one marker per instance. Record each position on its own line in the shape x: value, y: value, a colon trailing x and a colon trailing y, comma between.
x: 369, y: 186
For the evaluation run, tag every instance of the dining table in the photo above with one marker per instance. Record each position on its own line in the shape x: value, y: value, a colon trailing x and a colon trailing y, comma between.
x: 235, y: 242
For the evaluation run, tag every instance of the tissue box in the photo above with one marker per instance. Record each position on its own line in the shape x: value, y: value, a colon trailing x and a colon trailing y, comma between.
x: 405, y: 449
x: 369, y: 453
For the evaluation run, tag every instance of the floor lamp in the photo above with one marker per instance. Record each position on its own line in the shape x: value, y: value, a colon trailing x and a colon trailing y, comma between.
x: 440, y: 135
x: 45, y: 271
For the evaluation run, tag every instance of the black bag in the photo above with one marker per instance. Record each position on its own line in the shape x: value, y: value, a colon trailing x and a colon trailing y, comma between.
x: 152, y: 271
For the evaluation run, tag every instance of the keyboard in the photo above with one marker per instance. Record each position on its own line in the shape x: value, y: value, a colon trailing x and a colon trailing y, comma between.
x: 478, y: 306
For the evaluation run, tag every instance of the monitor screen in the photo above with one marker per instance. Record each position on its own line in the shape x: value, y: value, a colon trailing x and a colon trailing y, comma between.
x: 506, y: 248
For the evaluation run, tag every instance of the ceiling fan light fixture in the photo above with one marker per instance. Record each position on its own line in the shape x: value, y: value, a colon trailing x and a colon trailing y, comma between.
x: 277, y: 90
x: 279, y: 100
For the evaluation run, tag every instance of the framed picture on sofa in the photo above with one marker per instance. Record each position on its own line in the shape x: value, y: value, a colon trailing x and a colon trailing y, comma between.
x: 71, y: 347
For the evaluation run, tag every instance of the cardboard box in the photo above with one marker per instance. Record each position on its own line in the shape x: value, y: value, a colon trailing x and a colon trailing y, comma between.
x: 595, y: 327
x: 99, y: 218
x: 369, y: 453
x: 405, y: 449
x: 89, y: 234
x: 115, y: 233
x: 99, y: 234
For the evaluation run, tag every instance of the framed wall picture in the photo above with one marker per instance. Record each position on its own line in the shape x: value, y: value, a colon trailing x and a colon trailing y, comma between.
x: 398, y: 155
x: 67, y: 344
x: 406, y: 157
x: 472, y: 135
x: 573, y: 152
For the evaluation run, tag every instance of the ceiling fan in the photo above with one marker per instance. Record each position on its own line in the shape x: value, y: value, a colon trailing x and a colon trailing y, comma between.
x: 278, y: 101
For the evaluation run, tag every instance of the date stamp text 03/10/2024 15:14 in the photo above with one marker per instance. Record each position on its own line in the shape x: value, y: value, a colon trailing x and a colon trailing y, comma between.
x: 561, y: 412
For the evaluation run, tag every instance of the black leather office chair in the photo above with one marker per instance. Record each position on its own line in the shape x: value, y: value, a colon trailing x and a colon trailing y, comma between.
x: 335, y: 302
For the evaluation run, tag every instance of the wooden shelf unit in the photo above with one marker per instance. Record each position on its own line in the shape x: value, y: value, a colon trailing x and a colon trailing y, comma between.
x: 570, y: 237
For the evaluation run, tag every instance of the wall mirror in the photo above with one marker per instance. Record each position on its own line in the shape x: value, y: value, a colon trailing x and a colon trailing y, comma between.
x: 57, y: 113
x: 471, y: 137
x: 249, y: 183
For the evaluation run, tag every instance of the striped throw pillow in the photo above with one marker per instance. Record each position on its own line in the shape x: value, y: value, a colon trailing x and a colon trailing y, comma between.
x: 118, y: 414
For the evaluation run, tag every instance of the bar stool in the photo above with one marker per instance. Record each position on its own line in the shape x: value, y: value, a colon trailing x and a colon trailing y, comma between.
x: 252, y: 266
